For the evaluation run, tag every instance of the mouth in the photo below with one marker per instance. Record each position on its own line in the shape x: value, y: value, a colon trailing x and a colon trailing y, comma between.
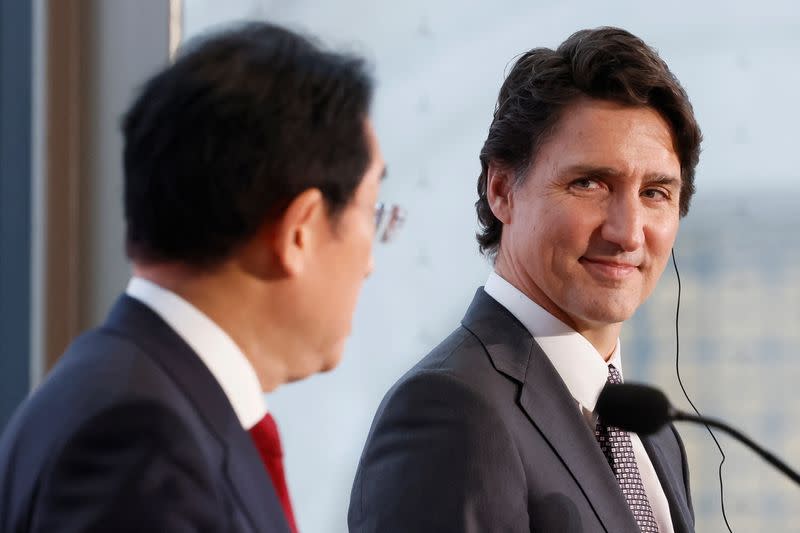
x: 609, y: 269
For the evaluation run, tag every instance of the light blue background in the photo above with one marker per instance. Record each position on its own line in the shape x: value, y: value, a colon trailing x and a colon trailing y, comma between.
x: 439, y: 67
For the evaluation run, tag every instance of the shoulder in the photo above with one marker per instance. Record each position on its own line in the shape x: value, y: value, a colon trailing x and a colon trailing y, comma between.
x: 461, y: 355
x: 105, y: 366
x: 456, y: 377
x: 425, y: 391
x: 105, y: 358
x: 128, y: 428
x: 121, y: 433
x: 103, y: 381
x: 439, y: 416
x: 99, y: 372
x: 438, y: 441
x: 134, y: 462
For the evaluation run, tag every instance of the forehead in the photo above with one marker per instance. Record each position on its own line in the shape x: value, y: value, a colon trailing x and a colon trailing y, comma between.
x: 607, y: 133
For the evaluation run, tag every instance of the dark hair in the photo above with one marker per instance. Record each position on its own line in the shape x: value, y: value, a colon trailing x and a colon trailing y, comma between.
x: 604, y: 63
x: 223, y: 139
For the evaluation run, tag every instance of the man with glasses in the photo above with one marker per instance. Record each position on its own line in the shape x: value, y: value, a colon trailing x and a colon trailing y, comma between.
x: 587, y: 168
x: 251, y: 177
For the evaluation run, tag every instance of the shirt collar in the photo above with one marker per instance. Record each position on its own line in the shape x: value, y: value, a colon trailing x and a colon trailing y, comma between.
x: 579, y: 364
x: 224, y: 359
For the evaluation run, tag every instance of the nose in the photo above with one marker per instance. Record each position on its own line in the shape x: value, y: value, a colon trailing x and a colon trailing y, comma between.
x: 624, y: 224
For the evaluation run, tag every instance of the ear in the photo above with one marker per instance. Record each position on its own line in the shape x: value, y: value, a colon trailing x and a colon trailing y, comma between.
x: 299, y: 229
x: 499, y: 191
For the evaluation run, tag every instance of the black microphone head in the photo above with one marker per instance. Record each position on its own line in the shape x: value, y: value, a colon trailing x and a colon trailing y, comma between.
x: 631, y: 407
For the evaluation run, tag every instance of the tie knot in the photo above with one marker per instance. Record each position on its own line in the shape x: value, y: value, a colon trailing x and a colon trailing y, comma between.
x: 614, y: 377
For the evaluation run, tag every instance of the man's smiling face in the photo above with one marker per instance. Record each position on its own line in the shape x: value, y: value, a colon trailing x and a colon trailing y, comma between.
x: 591, y: 225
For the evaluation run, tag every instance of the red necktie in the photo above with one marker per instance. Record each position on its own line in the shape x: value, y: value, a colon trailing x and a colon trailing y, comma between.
x: 268, y: 442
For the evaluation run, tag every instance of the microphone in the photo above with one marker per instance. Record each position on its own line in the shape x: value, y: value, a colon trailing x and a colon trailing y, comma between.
x: 643, y: 409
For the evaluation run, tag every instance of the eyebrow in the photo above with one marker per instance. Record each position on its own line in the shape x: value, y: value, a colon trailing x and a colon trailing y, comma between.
x: 610, y: 172
x: 661, y: 179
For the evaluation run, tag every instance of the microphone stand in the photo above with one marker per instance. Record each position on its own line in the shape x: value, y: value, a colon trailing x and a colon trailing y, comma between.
x: 765, y: 454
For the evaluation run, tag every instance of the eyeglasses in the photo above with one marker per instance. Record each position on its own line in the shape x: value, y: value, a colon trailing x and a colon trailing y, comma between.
x: 388, y: 220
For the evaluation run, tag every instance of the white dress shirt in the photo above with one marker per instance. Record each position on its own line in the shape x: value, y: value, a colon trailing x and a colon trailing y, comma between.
x: 213, y: 346
x: 584, y: 372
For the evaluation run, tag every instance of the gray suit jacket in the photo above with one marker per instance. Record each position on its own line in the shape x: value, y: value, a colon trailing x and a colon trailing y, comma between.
x: 483, y: 436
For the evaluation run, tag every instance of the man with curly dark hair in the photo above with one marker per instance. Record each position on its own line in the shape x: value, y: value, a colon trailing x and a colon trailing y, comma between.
x: 586, y: 172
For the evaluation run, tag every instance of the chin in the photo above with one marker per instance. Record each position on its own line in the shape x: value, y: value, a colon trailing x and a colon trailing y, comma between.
x: 333, y: 357
x: 322, y: 357
x: 613, y: 315
x: 315, y: 363
x: 329, y: 363
x: 603, y: 313
x: 611, y: 307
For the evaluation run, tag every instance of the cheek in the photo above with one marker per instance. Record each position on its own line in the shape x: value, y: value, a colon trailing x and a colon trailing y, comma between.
x: 568, y: 232
x: 365, y: 250
x: 358, y: 263
x: 661, y: 237
x: 541, y: 235
x: 356, y: 252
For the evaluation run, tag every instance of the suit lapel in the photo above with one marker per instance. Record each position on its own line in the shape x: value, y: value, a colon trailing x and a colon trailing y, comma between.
x: 244, y: 470
x: 670, y: 481
x: 550, y: 407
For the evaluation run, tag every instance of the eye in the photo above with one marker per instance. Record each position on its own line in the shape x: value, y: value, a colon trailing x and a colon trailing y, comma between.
x: 656, y: 194
x: 587, y: 184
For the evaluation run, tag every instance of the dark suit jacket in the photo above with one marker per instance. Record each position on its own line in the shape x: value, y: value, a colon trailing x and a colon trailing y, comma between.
x: 483, y: 436
x: 131, y: 432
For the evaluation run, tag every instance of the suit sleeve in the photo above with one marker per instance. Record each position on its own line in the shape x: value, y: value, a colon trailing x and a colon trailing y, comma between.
x: 133, y: 467
x: 438, y: 459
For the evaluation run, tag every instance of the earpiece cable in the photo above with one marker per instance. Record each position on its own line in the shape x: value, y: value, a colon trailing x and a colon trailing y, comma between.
x: 680, y: 382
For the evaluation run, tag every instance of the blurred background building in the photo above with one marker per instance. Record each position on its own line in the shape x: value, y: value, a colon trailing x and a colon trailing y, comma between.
x: 70, y: 67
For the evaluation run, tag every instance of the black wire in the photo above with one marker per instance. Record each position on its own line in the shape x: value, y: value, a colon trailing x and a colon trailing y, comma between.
x: 680, y: 381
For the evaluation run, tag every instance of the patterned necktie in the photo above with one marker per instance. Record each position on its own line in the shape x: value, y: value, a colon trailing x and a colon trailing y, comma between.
x: 268, y: 442
x: 617, y: 448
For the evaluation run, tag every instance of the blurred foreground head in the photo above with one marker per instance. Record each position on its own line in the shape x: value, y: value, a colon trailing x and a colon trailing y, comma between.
x: 252, y: 172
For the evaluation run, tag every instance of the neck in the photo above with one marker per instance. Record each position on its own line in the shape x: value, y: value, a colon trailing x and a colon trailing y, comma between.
x: 238, y: 305
x: 600, y: 335
x: 604, y: 339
